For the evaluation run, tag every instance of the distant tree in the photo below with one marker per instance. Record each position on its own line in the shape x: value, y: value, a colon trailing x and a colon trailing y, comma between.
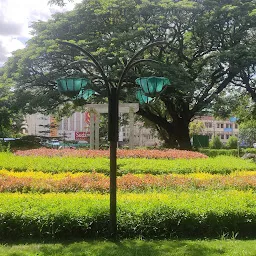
x: 232, y: 142
x: 196, y: 127
x: 236, y: 105
x: 247, y: 132
x: 9, y: 116
x: 59, y: 2
x: 215, y: 143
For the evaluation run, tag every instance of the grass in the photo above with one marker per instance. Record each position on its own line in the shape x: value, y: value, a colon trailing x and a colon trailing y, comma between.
x: 229, y: 247
x: 172, y: 214
x: 218, y: 165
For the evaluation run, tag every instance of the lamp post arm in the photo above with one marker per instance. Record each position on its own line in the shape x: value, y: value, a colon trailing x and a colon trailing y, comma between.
x: 86, y: 62
x: 88, y: 54
x: 136, y: 63
x: 130, y: 63
x: 144, y: 60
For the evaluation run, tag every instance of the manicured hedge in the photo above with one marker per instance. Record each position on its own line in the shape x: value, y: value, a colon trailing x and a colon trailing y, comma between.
x: 219, y: 152
x: 226, y: 152
x: 249, y: 150
x: 221, y: 164
x: 161, y: 215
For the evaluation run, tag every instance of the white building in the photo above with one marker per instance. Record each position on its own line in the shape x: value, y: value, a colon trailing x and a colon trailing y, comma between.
x: 37, y: 124
x: 142, y: 136
x: 221, y: 128
x: 77, y: 127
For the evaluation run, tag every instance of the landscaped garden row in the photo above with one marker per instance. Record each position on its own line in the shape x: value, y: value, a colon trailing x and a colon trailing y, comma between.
x: 227, y: 152
x: 121, y: 153
x: 199, y: 198
x: 221, y: 164
x: 96, y: 182
x: 172, y: 214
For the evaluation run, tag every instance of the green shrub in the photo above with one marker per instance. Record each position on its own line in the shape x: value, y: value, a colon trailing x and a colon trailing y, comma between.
x: 232, y: 142
x: 226, y: 152
x: 220, y: 164
x: 247, y: 132
x: 26, y: 142
x: 219, y: 152
x: 150, y: 215
x: 215, y: 143
x: 4, y: 147
x: 249, y: 150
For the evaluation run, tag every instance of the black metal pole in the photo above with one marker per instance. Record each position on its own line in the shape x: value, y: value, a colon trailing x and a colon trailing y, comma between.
x: 113, y: 115
x: 113, y: 138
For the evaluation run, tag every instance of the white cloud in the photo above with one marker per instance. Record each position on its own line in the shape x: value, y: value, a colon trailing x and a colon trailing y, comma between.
x: 15, y: 19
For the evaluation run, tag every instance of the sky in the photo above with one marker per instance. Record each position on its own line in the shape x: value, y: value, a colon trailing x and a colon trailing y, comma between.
x: 16, y: 17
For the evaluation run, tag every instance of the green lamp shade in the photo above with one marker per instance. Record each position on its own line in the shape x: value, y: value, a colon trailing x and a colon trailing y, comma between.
x: 153, y: 85
x: 86, y: 94
x: 142, y: 98
x: 71, y: 86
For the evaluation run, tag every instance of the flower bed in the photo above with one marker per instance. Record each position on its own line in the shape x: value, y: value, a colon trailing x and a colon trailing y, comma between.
x: 121, y: 153
x: 95, y: 182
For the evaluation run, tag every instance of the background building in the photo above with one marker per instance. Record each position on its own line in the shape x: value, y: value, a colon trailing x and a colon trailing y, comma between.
x: 221, y: 128
x: 77, y: 127
x: 143, y: 137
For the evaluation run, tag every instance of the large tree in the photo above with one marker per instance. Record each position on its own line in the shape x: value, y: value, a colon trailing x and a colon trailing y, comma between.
x: 9, y: 115
x: 210, y: 47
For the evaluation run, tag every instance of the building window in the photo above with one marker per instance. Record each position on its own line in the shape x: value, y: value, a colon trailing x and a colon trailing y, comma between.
x: 228, y: 125
x: 220, y: 125
x: 222, y: 136
x: 208, y: 125
x: 227, y: 136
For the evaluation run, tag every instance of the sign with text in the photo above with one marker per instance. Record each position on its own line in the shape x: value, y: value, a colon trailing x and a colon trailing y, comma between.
x: 82, y: 136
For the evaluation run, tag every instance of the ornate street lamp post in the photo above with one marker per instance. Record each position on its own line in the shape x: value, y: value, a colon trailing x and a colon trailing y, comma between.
x: 150, y: 87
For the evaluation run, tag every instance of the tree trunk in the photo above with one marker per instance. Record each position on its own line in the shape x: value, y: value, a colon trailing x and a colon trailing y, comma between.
x: 169, y: 140
x: 174, y: 133
x: 178, y: 136
x: 182, y: 135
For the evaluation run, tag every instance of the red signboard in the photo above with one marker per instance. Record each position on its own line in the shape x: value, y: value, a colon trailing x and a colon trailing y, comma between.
x: 87, y: 118
x: 81, y: 136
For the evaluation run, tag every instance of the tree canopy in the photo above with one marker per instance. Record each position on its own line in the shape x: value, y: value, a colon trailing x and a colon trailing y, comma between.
x: 211, y: 48
x: 9, y: 115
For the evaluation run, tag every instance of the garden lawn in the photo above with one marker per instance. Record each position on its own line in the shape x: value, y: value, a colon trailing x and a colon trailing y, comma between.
x: 134, y: 248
